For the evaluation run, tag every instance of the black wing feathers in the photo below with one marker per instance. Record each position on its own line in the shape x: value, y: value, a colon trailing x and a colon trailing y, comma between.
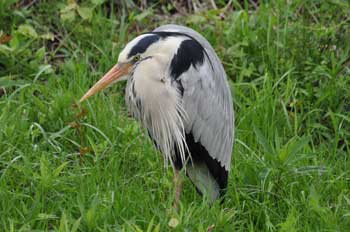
x: 200, y: 154
x: 189, y: 53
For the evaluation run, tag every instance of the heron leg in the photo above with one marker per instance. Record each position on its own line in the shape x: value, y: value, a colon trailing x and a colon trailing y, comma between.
x: 178, y: 183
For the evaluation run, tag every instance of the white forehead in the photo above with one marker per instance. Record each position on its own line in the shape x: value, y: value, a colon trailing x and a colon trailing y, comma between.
x: 168, y: 45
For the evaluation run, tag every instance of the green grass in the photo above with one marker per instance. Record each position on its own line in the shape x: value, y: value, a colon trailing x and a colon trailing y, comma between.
x: 92, y: 168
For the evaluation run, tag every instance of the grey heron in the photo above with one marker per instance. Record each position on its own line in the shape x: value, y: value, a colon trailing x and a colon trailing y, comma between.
x: 178, y: 90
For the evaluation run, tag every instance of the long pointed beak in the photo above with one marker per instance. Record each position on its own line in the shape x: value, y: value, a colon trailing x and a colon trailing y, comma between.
x: 110, y: 77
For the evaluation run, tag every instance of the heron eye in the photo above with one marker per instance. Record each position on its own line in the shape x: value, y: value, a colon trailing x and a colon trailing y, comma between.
x: 136, y: 58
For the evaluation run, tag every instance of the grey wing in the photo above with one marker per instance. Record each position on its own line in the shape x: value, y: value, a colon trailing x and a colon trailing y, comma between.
x: 207, y: 101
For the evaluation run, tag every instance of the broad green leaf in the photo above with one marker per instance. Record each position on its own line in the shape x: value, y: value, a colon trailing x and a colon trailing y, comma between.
x: 195, y: 19
x: 97, y: 2
x: 59, y: 169
x: 90, y: 217
x: 283, y: 154
x: 63, y: 223
x: 27, y: 30
x: 137, y: 228
x: 143, y: 15
x: 70, y: 6
x: 85, y: 12
x: 48, y: 36
x: 157, y: 228
x: 40, y: 53
x: 150, y: 225
x: 76, y: 225
x: 4, y: 49
x: 68, y: 16
x: 289, y: 224
x: 14, y: 42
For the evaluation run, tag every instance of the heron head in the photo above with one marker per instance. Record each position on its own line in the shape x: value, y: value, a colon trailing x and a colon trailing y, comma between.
x: 134, y: 53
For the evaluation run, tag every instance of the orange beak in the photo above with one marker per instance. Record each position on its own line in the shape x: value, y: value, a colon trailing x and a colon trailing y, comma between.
x: 110, y: 77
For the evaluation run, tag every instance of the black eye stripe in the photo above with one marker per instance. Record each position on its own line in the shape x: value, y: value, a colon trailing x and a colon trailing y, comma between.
x: 143, y: 44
